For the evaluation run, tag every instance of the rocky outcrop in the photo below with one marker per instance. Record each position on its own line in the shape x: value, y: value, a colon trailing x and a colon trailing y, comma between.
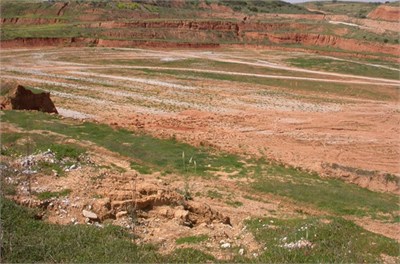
x: 333, y: 41
x: 34, y: 42
x: 20, y: 98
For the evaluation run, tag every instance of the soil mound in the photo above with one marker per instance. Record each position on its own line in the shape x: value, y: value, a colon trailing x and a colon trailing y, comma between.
x: 20, y: 98
x: 384, y: 12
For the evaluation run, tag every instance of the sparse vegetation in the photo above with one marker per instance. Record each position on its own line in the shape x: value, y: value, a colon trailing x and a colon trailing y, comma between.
x: 48, y: 195
x: 343, y: 66
x: 191, y: 239
x: 327, y: 194
x: 352, y: 9
x: 330, y: 240
x: 191, y: 150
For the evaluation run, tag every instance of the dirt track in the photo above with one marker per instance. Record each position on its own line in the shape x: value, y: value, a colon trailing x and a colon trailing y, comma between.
x: 326, y: 132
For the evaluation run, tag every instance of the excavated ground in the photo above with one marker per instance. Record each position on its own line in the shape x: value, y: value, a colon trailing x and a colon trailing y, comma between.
x: 349, y: 131
x: 338, y: 125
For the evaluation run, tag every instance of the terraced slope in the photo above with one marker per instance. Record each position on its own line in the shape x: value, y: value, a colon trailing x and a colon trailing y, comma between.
x: 188, y: 24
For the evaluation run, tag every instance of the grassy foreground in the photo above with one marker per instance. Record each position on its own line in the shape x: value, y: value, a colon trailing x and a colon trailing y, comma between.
x: 149, y: 154
x: 331, y: 238
x: 26, y: 240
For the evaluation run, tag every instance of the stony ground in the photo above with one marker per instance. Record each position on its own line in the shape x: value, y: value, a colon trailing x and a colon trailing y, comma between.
x: 251, y: 103
x: 332, y: 123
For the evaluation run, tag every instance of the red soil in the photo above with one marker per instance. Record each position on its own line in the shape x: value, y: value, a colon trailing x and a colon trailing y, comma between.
x: 384, y: 12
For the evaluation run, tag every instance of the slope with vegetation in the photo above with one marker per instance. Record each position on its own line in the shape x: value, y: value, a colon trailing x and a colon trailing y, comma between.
x: 186, y: 23
x: 318, y: 232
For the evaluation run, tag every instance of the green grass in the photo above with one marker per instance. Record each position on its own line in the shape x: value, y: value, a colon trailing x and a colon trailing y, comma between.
x: 191, y: 239
x: 29, y: 143
x: 347, y: 67
x: 147, y: 151
x: 354, y: 9
x: 330, y: 195
x: 63, y: 151
x: 198, y: 64
x: 264, y: 6
x: 142, y: 169
x: 214, y: 194
x: 46, y: 31
x: 34, y: 90
x: 348, y: 90
x: 235, y: 204
x: 334, y: 239
x: 26, y: 240
x: 48, y: 195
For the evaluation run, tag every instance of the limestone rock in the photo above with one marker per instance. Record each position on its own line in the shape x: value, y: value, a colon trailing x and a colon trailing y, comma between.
x: 90, y: 215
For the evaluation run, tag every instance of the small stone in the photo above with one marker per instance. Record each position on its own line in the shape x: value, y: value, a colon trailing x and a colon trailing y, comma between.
x: 89, y: 214
x: 121, y: 214
x: 181, y: 214
x: 73, y: 167
x: 98, y: 225
x: 241, y: 252
x: 255, y: 255
x: 226, y: 245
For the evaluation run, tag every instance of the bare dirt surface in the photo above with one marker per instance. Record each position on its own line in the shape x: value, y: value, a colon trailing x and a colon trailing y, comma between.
x: 333, y: 134
x: 384, y: 12
x: 162, y: 214
x: 336, y: 124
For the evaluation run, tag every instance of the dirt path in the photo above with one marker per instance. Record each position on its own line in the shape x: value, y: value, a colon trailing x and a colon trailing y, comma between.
x: 267, y: 64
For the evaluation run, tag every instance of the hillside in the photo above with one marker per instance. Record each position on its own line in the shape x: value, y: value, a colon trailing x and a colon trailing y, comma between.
x: 199, y: 131
x: 188, y: 23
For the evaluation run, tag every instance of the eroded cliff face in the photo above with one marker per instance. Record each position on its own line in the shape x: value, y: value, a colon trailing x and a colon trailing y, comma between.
x: 93, y: 25
x: 200, y: 39
x: 333, y: 41
x: 384, y: 12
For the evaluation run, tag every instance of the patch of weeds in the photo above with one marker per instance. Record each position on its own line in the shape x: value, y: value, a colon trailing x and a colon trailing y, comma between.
x: 350, y: 90
x: 99, y: 177
x: 332, y: 195
x: 330, y: 240
x: 234, y: 203
x: 166, y: 172
x: 142, y: 169
x: 118, y: 168
x: 48, y: 195
x: 7, y: 138
x: 191, y: 239
x: 8, y: 183
x: 189, y: 255
x: 249, y: 197
x: 391, y: 178
x: 39, y: 241
x: 49, y: 168
x: 348, y: 67
x: 214, y: 194
x: 67, y: 151
x: 34, y: 90
x: 155, y: 153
